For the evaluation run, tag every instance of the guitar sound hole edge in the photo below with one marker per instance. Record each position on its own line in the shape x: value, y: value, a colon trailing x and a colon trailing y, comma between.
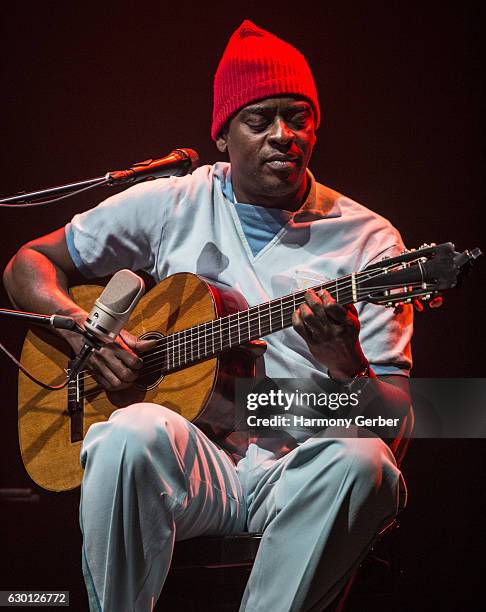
x: 151, y: 379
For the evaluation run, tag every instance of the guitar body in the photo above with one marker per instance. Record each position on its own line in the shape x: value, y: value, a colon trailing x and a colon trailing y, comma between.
x: 202, y: 393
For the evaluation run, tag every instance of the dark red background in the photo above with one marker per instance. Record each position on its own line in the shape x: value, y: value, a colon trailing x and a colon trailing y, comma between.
x: 90, y: 88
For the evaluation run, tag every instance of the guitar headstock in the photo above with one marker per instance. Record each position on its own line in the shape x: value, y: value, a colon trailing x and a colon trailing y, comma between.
x: 421, y: 273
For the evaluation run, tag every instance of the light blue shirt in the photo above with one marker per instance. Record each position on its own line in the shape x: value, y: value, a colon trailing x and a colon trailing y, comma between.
x: 188, y: 224
x: 260, y: 224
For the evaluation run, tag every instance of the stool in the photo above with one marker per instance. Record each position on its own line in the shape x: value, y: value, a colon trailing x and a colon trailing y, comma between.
x: 215, y: 570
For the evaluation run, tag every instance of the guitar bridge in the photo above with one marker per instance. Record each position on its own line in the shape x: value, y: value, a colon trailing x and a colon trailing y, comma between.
x: 75, y: 406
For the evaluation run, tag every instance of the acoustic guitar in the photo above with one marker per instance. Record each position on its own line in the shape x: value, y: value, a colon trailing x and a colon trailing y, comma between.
x: 207, y: 336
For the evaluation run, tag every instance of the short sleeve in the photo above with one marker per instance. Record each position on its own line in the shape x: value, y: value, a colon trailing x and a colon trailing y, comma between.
x: 124, y: 231
x: 386, y: 333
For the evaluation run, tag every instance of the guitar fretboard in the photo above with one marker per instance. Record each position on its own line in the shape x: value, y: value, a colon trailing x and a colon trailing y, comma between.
x: 208, y: 340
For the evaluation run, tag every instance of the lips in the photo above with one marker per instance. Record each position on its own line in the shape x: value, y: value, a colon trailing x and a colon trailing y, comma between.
x: 281, y: 161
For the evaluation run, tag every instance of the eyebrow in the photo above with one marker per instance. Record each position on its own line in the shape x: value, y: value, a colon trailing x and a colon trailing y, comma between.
x: 299, y: 106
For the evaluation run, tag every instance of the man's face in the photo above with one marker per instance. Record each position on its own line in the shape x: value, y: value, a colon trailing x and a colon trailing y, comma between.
x: 269, y: 145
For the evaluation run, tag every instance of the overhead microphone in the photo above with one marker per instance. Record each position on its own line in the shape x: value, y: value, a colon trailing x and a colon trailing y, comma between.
x: 177, y: 163
x: 109, y: 314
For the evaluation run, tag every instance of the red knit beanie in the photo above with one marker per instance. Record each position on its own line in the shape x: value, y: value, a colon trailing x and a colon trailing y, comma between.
x: 257, y: 65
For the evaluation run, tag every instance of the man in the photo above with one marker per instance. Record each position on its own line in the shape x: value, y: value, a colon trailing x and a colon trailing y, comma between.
x: 263, y: 225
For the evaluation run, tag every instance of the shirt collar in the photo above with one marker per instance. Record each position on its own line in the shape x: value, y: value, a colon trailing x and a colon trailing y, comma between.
x: 321, y: 202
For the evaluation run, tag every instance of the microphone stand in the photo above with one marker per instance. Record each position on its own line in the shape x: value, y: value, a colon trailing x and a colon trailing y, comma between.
x: 68, y: 188
x: 31, y: 318
x: 177, y: 163
x: 58, y: 322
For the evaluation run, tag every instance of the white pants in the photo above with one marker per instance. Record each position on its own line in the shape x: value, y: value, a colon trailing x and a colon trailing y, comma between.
x: 151, y: 478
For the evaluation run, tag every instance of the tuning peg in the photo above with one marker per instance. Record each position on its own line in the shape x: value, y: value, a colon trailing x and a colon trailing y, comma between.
x: 436, y: 302
x: 417, y: 304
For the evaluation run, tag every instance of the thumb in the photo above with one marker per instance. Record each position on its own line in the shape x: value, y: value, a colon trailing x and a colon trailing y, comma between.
x: 144, y: 345
x: 136, y: 345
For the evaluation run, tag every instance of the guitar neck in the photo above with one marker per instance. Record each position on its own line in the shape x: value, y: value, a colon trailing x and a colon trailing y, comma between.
x: 208, y: 340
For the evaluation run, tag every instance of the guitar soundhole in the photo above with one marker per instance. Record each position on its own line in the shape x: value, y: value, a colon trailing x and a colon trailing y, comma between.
x: 151, y: 373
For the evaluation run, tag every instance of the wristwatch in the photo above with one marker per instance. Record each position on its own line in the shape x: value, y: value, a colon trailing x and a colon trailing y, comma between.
x: 358, y: 382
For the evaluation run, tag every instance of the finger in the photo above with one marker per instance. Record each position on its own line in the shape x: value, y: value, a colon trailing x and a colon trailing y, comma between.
x: 106, y: 377
x: 117, y: 361
x: 312, y: 311
x: 145, y: 345
x: 123, y: 353
x: 114, y: 354
x: 315, y: 301
x: 334, y: 312
x: 136, y: 344
x: 316, y: 326
x: 299, y: 326
x: 100, y: 379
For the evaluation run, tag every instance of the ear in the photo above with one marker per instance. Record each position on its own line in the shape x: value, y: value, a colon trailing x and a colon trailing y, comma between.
x: 222, y: 142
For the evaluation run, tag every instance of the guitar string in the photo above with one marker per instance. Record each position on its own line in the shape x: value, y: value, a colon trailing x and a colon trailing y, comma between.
x: 243, y: 327
x: 146, y: 370
x: 170, y: 342
x: 174, y: 340
x: 200, y: 357
x: 192, y: 342
x: 93, y: 391
x: 186, y: 338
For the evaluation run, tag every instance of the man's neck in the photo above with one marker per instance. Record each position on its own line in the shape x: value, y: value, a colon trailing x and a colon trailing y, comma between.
x: 288, y: 202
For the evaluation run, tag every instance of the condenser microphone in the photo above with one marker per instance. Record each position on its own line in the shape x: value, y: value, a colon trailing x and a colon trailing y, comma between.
x: 113, y: 308
x: 109, y: 314
x: 177, y: 163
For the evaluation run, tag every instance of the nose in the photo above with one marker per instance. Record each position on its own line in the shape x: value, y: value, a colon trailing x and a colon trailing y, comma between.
x: 280, y: 133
